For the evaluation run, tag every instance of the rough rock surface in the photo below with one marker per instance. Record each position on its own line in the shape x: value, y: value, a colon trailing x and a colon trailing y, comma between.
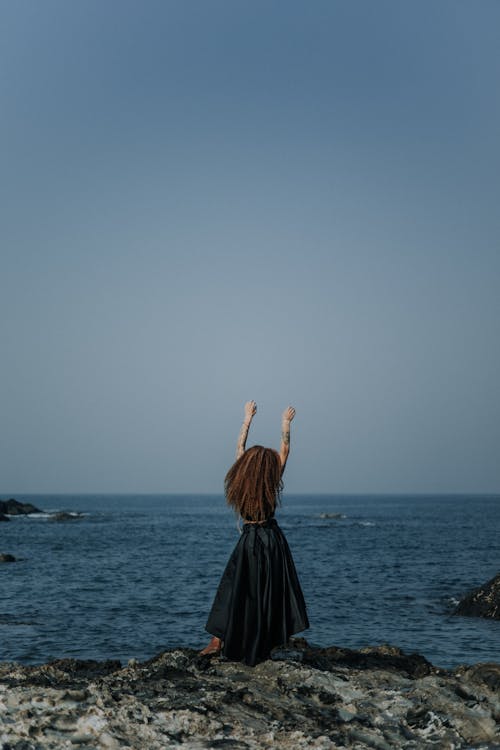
x: 483, y: 601
x: 303, y: 698
x: 14, y: 508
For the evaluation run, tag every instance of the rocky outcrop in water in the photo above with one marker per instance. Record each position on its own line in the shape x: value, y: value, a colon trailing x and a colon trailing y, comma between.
x: 6, y: 558
x: 304, y: 698
x: 14, y: 508
x: 483, y: 601
x: 63, y: 515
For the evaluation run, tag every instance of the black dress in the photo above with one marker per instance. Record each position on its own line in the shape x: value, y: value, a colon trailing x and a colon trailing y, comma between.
x: 259, y: 603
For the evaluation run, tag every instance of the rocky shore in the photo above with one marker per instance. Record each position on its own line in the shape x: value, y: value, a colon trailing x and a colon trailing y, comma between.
x: 303, y: 698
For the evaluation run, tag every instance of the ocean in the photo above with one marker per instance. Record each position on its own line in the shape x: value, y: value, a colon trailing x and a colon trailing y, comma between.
x: 137, y: 573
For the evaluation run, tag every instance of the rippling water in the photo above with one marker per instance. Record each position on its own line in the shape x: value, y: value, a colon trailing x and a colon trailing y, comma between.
x: 138, y: 573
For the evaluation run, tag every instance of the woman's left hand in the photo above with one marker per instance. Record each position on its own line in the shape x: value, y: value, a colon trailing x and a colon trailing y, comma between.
x: 250, y: 410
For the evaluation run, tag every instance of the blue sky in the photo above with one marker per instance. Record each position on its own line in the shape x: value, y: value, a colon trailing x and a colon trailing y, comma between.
x: 207, y: 202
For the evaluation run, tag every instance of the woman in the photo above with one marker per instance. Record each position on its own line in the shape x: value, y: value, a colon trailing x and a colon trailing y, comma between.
x: 259, y: 603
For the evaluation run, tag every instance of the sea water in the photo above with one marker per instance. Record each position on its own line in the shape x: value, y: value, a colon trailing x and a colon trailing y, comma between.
x: 137, y: 574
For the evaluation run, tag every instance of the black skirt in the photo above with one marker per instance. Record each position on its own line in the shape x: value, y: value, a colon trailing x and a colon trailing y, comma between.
x: 259, y: 603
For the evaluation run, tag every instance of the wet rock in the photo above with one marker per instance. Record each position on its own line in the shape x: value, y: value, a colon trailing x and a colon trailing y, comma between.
x: 6, y: 558
x: 14, y: 508
x: 483, y: 601
x: 62, y: 516
x: 331, y: 515
x: 4, y: 517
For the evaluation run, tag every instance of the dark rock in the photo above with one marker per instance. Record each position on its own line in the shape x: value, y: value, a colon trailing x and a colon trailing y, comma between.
x: 331, y: 515
x: 372, y: 657
x: 5, y: 558
x: 4, y: 518
x: 483, y: 601
x: 419, y: 716
x: 63, y: 515
x: 69, y: 673
x: 88, y: 668
x: 14, y: 508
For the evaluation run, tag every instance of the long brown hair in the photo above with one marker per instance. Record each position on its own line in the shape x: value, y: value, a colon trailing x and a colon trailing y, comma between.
x: 253, y: 484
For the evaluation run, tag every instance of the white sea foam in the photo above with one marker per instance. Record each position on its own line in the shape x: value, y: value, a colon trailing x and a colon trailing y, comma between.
x: 45, y: 515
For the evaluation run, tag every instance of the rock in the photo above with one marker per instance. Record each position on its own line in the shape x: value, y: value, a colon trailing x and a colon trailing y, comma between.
x: 14, y: 508
x: 482, y: 674
x: 108, y: 741
x: 377, y: 697
x: 378, y: 657
x: 331, y: 515
x: 4, y: 518
x: 75, y: 669
x: 63, y: 515
x: 344, y: 715
x: 483, y: 601
x: 5, y: 558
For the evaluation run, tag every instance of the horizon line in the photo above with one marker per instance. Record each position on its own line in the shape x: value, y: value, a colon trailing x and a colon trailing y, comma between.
x: 393, y: 493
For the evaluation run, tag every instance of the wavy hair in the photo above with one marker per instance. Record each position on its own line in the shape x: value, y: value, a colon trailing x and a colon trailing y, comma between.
x: 253, y: 484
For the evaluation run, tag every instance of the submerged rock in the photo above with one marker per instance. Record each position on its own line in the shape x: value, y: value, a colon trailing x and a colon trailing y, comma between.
x: 326, y: 698
x: 63, y: 515
x: 5, y: 558
x: 14, y: 508
x: 483, y: 601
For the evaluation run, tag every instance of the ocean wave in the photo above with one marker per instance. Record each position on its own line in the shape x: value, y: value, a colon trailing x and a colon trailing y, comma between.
x: 450, y: 602
x: 6, y: 619
x: 49, y: 515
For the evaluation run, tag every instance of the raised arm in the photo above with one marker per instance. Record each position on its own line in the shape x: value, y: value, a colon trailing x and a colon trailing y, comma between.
x: 250, y: 411
x: 287, y: 417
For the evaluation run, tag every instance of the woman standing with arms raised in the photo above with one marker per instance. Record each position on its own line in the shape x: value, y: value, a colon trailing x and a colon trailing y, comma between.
x: 259, y: 603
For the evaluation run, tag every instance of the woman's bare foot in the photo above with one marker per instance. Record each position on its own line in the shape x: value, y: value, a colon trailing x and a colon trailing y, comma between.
x: 213, y: 648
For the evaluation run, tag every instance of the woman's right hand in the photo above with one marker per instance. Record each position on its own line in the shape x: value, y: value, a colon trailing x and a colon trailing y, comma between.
x: 250, y: 410
x: 288, y: 414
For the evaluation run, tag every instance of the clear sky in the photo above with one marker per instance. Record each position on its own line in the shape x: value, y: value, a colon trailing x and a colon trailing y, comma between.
x: 209, y: 201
